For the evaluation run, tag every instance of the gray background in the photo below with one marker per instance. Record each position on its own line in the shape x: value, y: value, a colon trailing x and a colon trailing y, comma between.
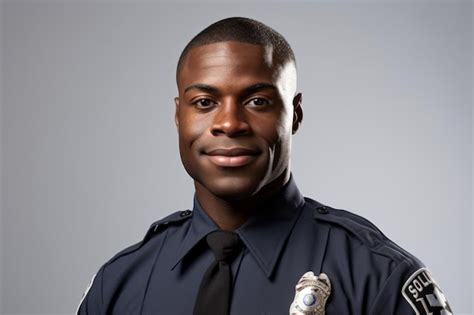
x: 89, y: 148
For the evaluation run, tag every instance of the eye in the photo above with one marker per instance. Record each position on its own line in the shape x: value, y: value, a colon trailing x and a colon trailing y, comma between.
x: 259, y: 101
x: 204, y: 103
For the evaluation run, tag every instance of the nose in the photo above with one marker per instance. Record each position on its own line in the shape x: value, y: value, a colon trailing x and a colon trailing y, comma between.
x: 230, y: 120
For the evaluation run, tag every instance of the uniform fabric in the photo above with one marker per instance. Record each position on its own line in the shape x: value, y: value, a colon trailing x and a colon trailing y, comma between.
x: 288, y: 237
x: 215, y: 290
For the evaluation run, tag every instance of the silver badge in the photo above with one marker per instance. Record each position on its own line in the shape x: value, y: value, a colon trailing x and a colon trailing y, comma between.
x: 311, y: 295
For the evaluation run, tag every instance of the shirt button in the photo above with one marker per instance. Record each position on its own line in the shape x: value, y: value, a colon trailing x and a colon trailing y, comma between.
x: 323, y: 210
x: 185, y: 213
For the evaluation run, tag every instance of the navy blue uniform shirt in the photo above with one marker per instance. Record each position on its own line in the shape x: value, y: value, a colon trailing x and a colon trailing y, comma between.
x: 368, y: 273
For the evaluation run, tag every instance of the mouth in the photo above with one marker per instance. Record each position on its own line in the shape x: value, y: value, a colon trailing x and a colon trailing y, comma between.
x: 233, y: 157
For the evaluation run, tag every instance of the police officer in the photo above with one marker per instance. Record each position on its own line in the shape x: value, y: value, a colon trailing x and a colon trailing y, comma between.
x: 252, y: 244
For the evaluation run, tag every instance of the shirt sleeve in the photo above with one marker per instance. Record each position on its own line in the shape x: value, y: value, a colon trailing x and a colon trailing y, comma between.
x: 91, y: 302
x: 410, y: 289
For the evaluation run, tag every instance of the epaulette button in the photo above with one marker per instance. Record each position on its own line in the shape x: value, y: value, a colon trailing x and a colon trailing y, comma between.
x: 323, y: 210
x: 185, y: 213
x: 155, y: 228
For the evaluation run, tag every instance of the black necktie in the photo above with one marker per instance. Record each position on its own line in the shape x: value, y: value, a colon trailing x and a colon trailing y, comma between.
x: 215, y: 290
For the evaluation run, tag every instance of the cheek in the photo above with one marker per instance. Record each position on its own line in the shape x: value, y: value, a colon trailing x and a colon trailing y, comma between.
x: 189, y: 132
x: 275, y: 130
x: 191, y: 128
x: 277, y: 135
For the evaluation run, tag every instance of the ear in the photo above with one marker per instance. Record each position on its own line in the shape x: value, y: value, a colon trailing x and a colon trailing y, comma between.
x: 297, y: 112
x: 176, y: 118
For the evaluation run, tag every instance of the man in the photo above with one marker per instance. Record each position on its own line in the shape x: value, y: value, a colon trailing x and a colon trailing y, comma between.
x: 253, y: 244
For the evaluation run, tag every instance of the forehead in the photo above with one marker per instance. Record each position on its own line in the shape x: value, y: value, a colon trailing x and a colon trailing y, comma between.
x: 225, y: 58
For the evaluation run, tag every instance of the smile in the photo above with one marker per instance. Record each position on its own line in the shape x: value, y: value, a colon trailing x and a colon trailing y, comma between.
x: 235, y: 157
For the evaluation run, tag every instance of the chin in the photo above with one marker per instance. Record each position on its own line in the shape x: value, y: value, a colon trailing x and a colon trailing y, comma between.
x: 233, y: 188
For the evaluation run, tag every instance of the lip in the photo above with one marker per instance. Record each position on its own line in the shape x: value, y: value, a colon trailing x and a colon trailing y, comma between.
x: 232, y: 152
x: 233, y: 157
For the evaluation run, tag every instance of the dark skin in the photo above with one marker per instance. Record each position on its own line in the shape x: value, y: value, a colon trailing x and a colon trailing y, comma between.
x: 236, y: 113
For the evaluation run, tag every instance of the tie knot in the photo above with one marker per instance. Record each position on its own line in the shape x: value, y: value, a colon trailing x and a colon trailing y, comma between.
x: 225, y: 245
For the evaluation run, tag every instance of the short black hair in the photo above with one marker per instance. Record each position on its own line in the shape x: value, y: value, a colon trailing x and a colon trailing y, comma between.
x: 243, y: 30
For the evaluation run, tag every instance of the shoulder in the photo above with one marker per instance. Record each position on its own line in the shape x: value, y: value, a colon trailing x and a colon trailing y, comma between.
x: 175, y: 220
x: 360, y: 232
x: 128, y: 267
x: 396, y: 281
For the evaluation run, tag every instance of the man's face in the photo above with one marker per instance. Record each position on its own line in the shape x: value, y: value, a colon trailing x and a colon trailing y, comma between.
x: 235, y: 115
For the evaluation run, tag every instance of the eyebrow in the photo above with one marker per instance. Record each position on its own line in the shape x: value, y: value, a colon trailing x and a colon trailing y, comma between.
x: 200, y: 86
x: 247, y: 90
x: 258, y: 87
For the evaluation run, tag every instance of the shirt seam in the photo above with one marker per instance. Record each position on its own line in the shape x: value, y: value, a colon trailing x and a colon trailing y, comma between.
x: 385, y: 285
x: 165, y: 236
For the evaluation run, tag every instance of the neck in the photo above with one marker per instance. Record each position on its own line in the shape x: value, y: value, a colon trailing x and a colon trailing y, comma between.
x: 228, y: 214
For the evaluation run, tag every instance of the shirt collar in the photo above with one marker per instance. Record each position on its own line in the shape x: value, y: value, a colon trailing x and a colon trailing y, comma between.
x: 201, y: 225
x: 264, y: 234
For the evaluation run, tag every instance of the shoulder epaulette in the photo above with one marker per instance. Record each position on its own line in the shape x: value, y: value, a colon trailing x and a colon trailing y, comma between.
x: 360, y: 227
x: 162, y: 224
x: 364, y: 230
x: 155, y: 229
